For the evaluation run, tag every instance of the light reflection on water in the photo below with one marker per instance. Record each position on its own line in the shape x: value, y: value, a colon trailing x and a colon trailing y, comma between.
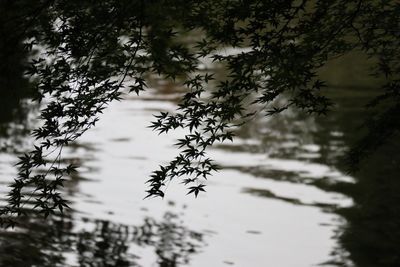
x: 258, y: 209
x: 245, y: 220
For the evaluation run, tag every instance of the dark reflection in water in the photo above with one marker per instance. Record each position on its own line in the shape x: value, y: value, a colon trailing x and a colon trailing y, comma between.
x: 38, y: 243
x: 108, y: 244
x: 54, y: 242
x: 372, y: 234
x: 14, y: 88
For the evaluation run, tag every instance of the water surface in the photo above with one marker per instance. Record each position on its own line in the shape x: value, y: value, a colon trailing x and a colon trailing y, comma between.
x: 281, y: 199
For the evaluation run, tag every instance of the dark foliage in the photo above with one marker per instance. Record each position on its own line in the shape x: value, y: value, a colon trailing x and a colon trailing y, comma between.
x: 86, y: 53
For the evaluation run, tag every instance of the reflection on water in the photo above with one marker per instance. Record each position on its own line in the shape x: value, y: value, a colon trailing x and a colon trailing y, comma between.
x: 14, y: 88
x: 282, y: 190
x: 38, y: 243
x: 56, y: 242
x: 110, y: 244
x: 373, y: 231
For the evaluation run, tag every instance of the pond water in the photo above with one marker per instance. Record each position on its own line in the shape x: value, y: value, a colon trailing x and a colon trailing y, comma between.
x: 255, y: 212
x: 272, y: 204
x: 281, y: 198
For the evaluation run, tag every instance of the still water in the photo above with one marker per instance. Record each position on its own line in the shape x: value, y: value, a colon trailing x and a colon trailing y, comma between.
x: 281, y: 199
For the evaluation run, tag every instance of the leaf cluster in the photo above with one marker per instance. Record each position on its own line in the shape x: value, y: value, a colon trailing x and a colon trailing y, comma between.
x: 88, y: 52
